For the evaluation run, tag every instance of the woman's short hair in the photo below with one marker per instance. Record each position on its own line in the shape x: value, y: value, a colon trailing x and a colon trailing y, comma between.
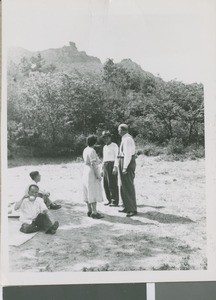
x: 91, y: 140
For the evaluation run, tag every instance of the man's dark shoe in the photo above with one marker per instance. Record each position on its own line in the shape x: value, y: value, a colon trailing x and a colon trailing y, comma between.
x: 108, y: 203
x: 53, y: 228
x: 114, y: 205
x: 123, y: 211
x: 52, y: 231
x: 89, y: 213
x: 131, y: 214
x: 26, y: 229
x: 54, y: 206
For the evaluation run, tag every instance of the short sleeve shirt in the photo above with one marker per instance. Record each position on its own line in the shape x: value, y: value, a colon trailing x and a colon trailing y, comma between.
x: 29, y: 210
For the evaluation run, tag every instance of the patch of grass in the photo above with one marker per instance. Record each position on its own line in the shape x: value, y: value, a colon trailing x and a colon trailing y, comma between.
x: 164, y: 267
x: 104, y: 268
x: 185, y: 265
x: 34, y: 161
x: 194, y: 152
x: 150, y: 150
x: 173, y: 151
x: 169, y: 153
x: 205, y: 264
x: 191, y: 153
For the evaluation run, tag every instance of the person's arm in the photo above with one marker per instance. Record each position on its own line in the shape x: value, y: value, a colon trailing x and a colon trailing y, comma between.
x: 93, y: 159
x: 19, y: 203
x: 43, y: 207
x: 102, y: 165
x: 116, y: 151
x: 95, y: 168
x: 43, y: 191
x: 128, y: 152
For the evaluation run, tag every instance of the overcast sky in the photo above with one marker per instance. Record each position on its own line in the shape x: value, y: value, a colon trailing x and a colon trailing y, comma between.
x: 167, y: 37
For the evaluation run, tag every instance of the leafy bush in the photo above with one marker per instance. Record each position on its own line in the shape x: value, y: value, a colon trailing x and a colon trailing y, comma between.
x: 79, y: 144
x: 152, y: 150
x: 175, y: 146
x: 194, y: 152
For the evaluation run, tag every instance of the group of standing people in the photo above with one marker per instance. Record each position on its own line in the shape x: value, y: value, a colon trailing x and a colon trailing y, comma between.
x: 116, y: 160
x: 36, y: 202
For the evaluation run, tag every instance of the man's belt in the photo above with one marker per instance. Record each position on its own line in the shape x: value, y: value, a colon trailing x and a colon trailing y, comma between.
x: 120, y: 156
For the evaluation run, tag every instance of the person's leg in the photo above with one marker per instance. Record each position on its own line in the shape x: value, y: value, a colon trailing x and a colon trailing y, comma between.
x: 129, y: 188
x: 124, y: 191
x: 89, y: 209
x: 95, y: 214
x: 106, y: 182
x: 45, y: 224
x: 122, y: 185
x: 94, y: 207
x: 114, y: 189
x: 49, y: 204
x: 47, y: 201
x: 113, y: 184
x: 29, y: 228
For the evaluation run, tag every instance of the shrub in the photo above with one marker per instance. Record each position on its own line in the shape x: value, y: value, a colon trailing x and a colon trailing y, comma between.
x: 175, y: 146
x: 79, y: 144
x: 152, y: 150
x: 195, y: 152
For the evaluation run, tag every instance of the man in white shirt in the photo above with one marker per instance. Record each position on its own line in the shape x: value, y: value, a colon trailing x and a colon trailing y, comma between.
x: 35, y: 179
x: 33, y: 213
x: 127, y: 166
x: 110, y: 169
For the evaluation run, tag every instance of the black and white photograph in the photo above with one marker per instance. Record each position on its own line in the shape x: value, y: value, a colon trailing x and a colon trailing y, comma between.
x: 108, y: 141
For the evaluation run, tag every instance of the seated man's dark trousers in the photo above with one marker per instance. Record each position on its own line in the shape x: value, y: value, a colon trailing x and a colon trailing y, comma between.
x: 110, y: 183
x: 41, y: 223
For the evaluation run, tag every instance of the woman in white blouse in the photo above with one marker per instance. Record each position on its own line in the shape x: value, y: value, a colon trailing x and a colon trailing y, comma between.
x: 92, y: 189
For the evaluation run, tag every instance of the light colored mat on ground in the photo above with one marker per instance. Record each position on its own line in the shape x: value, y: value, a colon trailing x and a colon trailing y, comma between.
x: 12, y: 213
x: 15, y: 237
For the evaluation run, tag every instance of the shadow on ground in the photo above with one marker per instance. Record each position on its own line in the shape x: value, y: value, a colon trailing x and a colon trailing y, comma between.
x: 156, y: 207
x: 124, y: 220
x: 165, y: 218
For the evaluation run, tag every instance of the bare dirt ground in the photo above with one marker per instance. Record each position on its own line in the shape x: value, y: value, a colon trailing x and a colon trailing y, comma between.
x: 169, y: 232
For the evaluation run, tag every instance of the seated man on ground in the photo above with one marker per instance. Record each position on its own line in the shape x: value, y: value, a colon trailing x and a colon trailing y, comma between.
x: 36, y: 178
x: 33, y: 213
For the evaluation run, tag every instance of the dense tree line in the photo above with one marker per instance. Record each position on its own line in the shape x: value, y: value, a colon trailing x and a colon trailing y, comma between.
x: 51, y: 112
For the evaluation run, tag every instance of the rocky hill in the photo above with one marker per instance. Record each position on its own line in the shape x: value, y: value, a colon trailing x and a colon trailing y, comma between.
x: 131, y: 66
x: 67, y: 59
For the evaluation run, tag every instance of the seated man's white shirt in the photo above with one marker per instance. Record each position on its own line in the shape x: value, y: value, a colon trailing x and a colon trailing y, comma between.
x: 127, y: 149
x: 30, y: 209
x: 110, y: 153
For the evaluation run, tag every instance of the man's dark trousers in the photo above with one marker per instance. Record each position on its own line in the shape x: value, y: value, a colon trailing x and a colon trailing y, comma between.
x: 41, y: 223
x: 110, y: 183
x: 128, y: 194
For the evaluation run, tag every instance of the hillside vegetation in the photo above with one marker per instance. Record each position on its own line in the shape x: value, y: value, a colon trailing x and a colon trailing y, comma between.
x: 57, y: 97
